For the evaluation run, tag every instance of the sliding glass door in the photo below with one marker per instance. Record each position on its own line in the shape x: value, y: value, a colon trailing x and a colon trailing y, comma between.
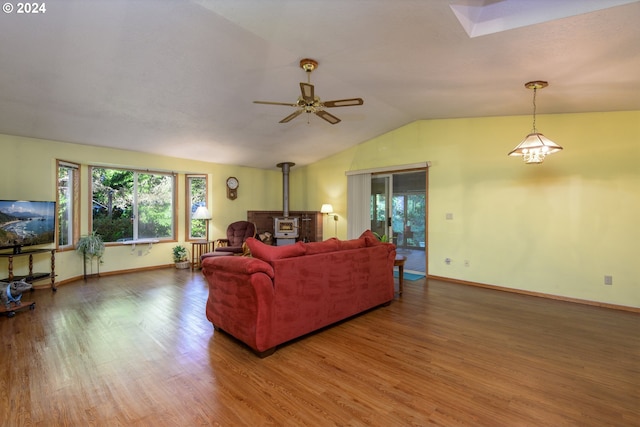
x: 399, y: 211
x: 380, y: 205
x: 409, y: 210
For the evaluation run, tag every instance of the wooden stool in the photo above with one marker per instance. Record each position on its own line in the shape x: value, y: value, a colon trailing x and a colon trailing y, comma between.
x: 399, y: 262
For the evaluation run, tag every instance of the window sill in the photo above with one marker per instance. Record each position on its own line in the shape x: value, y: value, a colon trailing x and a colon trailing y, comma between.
x: 133, y: 243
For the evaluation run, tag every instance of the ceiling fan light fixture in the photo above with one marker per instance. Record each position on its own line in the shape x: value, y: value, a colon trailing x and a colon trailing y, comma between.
x: 535, y: 146
x: 309, y: 103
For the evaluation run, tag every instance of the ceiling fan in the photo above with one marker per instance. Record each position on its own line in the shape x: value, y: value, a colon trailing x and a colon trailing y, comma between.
x: 309, y: 103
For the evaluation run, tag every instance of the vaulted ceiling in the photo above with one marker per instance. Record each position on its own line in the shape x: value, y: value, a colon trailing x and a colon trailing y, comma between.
x: 179, y: 77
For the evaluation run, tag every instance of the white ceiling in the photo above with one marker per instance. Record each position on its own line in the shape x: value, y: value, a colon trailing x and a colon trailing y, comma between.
x: 178, y: 77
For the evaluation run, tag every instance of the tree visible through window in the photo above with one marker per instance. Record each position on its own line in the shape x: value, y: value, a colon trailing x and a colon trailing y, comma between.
x: 409, y: 219
x: 68, y: 203
x: 132, y: 205
x: 196, y: 197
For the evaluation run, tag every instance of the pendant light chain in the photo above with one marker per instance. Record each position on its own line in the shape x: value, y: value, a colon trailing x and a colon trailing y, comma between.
x: 535, y: 90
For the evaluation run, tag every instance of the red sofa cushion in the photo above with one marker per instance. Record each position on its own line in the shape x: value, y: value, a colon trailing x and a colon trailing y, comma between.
x: 353, y: 244
x: 270, y: 253
x: 329, y: 245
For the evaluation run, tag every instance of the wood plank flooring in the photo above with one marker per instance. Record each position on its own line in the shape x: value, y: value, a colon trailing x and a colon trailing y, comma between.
x: 137, y: 350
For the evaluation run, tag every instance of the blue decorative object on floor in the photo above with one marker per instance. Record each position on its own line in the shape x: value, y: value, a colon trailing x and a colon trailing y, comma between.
x: 409, y: 276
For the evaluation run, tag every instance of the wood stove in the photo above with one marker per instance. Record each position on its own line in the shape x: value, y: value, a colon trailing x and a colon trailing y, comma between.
x: 286, y: 228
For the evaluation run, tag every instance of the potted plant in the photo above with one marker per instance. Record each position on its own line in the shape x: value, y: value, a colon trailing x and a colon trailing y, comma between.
x: 383, y: 238
x: 91, y: 246
x: 181, y: 256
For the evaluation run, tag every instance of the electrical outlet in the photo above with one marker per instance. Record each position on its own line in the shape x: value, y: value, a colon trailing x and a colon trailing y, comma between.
x: 449, y: 215
x: 140, y: 252
x: 447, y: 261
x: 467, y: 263
x: 608, y: 280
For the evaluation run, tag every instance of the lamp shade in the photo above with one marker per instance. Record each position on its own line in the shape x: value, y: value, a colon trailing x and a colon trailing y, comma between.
x: 535, y: 147
x: 326, y: 208
x: 202, y: 213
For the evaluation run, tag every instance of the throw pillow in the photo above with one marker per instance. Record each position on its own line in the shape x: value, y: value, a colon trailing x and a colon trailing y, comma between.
x: 370, y: 238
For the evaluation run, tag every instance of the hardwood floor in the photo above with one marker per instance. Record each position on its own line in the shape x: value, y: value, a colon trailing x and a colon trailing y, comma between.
x: 137, y: 350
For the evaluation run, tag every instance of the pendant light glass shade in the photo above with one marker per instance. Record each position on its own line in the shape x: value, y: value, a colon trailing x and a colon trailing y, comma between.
x: 535, y: 146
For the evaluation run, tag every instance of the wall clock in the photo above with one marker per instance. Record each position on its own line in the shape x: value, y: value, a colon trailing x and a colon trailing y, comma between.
x: 232, y: 187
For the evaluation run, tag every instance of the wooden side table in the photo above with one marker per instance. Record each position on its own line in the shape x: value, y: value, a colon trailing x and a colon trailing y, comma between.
x: 31, y: 276
x: 399, y: 262
x: 199, y: 248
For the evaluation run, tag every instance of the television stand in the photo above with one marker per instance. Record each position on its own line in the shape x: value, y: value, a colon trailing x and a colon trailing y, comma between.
x: 31, y: 276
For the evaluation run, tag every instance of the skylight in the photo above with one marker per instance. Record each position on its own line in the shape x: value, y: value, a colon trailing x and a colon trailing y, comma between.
x: 482, y: 17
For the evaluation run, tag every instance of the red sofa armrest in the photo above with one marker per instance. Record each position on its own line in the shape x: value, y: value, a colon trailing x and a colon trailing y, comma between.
x: 240, y: 265
x: 241, y: 298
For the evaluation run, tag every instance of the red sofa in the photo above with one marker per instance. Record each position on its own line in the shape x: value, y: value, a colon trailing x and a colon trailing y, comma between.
x: 283, y: 292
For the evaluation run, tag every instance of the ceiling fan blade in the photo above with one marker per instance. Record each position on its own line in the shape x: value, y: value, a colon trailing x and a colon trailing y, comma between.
x: 328, y: 117
x: 343, y: 102
x: 307, y: 92
x: 288, y: 104
x: 292, y: 116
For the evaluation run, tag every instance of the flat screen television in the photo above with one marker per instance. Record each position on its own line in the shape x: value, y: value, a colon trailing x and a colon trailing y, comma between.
x: 26, y: 223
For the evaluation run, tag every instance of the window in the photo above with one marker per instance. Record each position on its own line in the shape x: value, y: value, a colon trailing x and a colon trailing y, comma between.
x: 196, y: 197
x: 68, y: 216
x: 132, y: 205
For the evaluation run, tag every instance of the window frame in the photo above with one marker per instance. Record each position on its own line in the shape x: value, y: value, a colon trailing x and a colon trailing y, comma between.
x: 174, y: 199
x: 189, y: 205
x: 73, y: 217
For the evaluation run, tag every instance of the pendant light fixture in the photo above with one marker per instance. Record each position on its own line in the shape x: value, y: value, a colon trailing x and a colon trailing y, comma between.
x: 535, y: 147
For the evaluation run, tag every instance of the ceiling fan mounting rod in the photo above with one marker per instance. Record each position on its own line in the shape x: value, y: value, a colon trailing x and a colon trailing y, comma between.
x: 308, y: 65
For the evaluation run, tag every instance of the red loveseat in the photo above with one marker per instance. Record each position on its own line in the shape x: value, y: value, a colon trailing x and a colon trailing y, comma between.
x: 284, y: 292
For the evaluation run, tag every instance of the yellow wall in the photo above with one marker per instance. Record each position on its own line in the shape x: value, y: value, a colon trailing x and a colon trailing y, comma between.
x: 29, y: 173
x: 556, y: 228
